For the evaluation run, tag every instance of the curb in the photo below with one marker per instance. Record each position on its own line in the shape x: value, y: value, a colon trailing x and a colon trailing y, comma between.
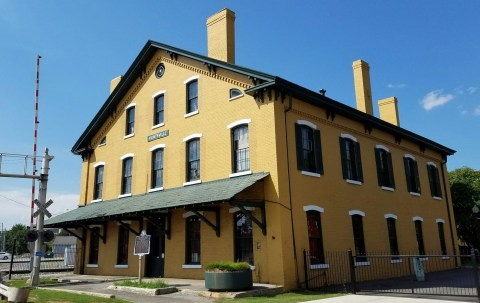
x: 145, y: 291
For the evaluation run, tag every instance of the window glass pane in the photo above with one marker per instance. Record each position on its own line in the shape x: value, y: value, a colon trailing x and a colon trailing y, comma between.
x: 157, y: 168
x: 127, y: 176
x: 159, y: 110
x: 130, y: 125
x: 192, y: 97
x: 441, y: 234
x: 94, y: 245
x: 241, y: 150
x: 243, y: 238
x: 358, y: 237
x: 193, y: 165
x: 315, y: 239
x: 98, y: 182
x: 235, y: 93
x: 122, y: 248
x: 392, y: 236
x: 308, y: 152
x: 419, y: 235
x: 193, y: 240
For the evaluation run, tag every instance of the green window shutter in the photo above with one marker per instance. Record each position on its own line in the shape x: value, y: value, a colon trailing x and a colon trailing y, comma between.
x: 390, y: 170
x: 379, y: 171
x: 318, y: 152
x: 298, y: 140
x: 343, y: 154
x: 417, y: 178
x: 437, y: 181
x: 407, y: 174
x: 358, y: 161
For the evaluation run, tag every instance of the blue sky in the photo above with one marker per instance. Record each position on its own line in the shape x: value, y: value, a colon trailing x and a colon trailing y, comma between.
x: 426, y: 53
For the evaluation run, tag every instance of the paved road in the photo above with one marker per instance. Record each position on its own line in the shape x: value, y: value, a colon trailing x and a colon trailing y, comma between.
x: 382, y: 299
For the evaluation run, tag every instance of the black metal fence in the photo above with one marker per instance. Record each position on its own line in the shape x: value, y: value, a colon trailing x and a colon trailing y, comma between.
x: 19, y: 265
x: 430, y: 274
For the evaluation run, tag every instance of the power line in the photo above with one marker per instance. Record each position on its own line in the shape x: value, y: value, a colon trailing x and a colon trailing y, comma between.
x: 19, y: 203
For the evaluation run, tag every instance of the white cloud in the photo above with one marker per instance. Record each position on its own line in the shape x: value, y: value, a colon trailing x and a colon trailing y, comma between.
x: 476, y: 112
x: 399, y: 85
x: 472, y: 89
x: 15, y: 205
x: 436, y: 98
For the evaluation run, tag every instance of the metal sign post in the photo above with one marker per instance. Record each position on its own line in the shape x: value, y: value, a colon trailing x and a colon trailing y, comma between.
x: 142, y: 247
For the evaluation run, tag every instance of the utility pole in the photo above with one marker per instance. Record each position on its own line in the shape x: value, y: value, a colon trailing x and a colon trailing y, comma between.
x: 3, y: 238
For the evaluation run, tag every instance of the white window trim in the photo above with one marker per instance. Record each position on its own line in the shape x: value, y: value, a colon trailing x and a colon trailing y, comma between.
x: 409, y: 156
x: 192, y: 136
x: 158, y: 146
x: 396, y: 261
x: 415, y: 194
x: 158, y: 125
x: 242, y: 173
x: 348, y: 136
x: 388, y: 188
x: 192, y: 182
x: 92, y: 265
x: 129, y: 155
x: 130, y: 105
x: 430, y: 163
x: 356, y: 212
x: 190, y: 214
x: 380, y: 146
x: 307, y: 123
x: 307, y: 173
x: 437, y: 198
x: 239, y: 122
x: 440, y: 221
x: 423, y: 258
x: 366, y: 263
x: 129, y: 136
x: 445, y: 258
x: 233, y: 210
x: 161, y: 92
x: 120, y: 266
x: 393, y: 216
x: 417, y: 218
x: 192, y: 266
x: 235, y: 98
x: 191, y: 114
x: 314, y: 208
x: 196, y: 77
x: 319, y: 266
x: 125, y: 195
x: 354, y: 182
x: 96, y: 200
x: 99, y: 164
x: 152, y: 190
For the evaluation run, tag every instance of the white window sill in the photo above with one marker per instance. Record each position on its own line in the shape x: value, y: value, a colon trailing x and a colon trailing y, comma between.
x: 307, y: 173
x: 437, y: 198
x: 414, y: 194
x: 319, y: 266
x: 92, y: 265
x: 96, y: 200
x: 242, y: 173
x: 235, y: 98
x: 128, y: 136
x: 192, y: 182
x: 362, y: 263
x: 103, y: 144
x: 388, y: 188
x: 192, y: 266
x: 158, y: 125
x: 155, y: 189
x: 191, y: 114
x: 354, y: 182
x: 124, y: 196
x: 396, y: 261
x: 445, y: 258
x: 120, y: 266
x: 252, y: 267
x: 423, y: 259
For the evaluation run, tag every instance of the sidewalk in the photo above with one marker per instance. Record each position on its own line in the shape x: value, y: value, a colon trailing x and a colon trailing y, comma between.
x: 385, y: 299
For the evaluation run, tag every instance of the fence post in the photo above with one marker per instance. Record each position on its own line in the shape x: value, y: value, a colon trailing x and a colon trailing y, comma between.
x: 353, y: 279
x: 11, y: 261
x: 475, y: 273
x: 305, y: 268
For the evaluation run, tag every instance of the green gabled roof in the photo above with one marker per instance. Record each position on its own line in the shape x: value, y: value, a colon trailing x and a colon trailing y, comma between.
x: 145, y: 55
x: 221, y: 190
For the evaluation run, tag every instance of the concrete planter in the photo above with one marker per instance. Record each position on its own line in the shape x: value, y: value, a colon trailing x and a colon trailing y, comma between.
x: 20, y: 295
x: 228, y: 280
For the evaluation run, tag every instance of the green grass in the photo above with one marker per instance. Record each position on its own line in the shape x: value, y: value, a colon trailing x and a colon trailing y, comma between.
x: 289, y: 297
x: 51, y: 296
x: 146, y: 284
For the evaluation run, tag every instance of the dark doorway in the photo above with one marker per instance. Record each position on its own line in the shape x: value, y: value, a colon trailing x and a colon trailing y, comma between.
x: 155, y: 261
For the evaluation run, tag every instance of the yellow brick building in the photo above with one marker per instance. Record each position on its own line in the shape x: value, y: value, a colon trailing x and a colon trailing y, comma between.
x: 220, y: 162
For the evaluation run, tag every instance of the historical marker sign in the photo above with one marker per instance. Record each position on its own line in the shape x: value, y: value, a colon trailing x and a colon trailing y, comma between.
x: 142, y: 245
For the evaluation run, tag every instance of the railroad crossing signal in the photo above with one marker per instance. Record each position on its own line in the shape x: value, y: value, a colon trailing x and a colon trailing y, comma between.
x: 42, y: 208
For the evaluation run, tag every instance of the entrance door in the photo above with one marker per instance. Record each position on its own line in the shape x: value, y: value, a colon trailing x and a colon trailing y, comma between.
x: 155, y: 261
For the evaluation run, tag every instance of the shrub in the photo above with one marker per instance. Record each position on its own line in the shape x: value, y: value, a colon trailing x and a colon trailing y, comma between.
x: 227, y: 266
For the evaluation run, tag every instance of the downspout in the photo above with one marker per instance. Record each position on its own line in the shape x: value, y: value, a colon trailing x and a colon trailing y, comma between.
x: 289, y: 108
x: 448, y: 210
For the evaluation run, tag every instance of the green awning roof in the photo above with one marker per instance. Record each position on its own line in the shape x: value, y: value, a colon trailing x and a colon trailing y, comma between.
x: 199, y: 194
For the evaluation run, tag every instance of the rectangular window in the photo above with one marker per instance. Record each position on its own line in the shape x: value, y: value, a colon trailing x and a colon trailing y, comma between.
x: 434, y: 180
x: 392, y: 237
x: 192, y: 240
x: 441, y: 234
x: 157, y: 168
x: 193, y: 160
x: 309, y: 149
x: 240, y: 149
x: 243, y: 238
x: 122, y: 248
x: 98, y: 188
x: 358, y: 238
x: 411, y: 173
x: 351, y: 160
x: 127, y: 176
x: 419, y: 235
x: 315, y: 239
x: 158, y: 117
x: 94, y: 245
x: 384, y: 168
x: 192, y: 97
x: 130, y: 122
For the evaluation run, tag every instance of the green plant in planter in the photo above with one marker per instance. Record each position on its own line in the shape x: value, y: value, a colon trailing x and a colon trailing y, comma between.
x: 223, y: 276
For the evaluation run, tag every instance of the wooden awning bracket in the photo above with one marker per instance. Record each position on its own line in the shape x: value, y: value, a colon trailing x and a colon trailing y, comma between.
x: 127, y: 226
x: 73, y: 234
x: 103, y: 235
x: 215, y: 227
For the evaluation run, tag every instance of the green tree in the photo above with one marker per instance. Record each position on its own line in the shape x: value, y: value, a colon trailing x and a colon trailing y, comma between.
x: 465, y: 189
x: 18, y: 232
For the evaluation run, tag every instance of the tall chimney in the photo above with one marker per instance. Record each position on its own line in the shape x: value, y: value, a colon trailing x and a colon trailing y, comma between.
x: 363, y: 91
x: 389, y: 110
x: 221, y: 36
x: 114, y: 83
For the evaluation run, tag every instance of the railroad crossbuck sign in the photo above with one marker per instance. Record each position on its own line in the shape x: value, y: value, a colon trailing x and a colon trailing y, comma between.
x: 42, y: 208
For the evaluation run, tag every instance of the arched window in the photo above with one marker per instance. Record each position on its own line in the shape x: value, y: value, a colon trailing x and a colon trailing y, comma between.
x: 193, y: 160
x: 157, y: 168
x: 240, y: 149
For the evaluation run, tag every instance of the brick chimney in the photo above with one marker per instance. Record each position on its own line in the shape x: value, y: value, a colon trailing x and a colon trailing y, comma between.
x: 389, y: 110
x: 363, y: 91
x: 114, y: 83
x: 221, y: 36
